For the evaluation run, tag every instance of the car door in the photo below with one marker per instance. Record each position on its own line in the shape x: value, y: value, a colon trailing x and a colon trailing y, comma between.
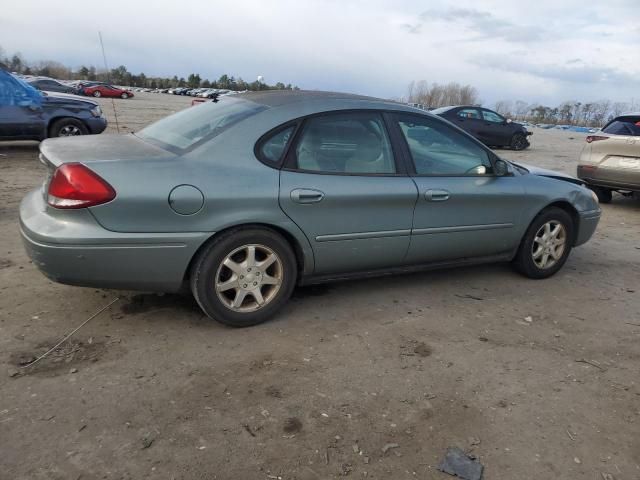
x: 463, y: 210
x: 342, y: 186
x: 469, y: 119
x: 21, y: 112
x: 494, y: 129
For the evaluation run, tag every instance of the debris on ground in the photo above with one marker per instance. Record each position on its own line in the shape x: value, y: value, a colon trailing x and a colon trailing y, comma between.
x: 389, y: 446
x: 147, y: 442
x: 459, y: 464
x: 422, y: 350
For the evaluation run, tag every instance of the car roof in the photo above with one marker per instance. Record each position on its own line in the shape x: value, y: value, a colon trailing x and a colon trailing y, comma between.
x: 280, y: 98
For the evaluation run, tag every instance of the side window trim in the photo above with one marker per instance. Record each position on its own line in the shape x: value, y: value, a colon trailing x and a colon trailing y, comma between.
x: 396, y: 117
x: 290, y: 162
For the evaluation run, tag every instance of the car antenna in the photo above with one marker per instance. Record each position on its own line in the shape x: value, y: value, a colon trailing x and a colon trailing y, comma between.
x: 113, y: 103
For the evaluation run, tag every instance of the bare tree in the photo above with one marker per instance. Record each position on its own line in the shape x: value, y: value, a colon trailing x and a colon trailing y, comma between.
x: 504, y: 108
x: 618, y: 108
x: 436, y: 95
x: 601, y: 110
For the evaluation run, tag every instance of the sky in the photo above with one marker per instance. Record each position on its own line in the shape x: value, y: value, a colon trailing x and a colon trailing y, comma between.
x: 543, y: 51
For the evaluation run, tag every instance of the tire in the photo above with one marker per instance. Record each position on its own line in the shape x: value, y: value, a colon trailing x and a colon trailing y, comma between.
x: 124, y: 96
x: 97, y: 94
x: 519, y: 141
x: 525, y: 261
x: 237, y: 306
x: 605, y: 195
x: 67, y: 127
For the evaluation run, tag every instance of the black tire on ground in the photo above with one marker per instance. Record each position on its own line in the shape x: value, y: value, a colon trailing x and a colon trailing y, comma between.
x: 519, y: 141
x: 97, y: 93
x: 605, y: 195
x: 64, y: 127
x: 124, y: 96
x: 205, y: 267
x: 524, y: 261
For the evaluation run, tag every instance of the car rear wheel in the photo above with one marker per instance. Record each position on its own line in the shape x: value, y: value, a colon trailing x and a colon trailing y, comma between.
x: 605, y: 195
x: 519, y: 141
x: 546, y: 244
x: 97, y: 93
x: 124, y: 96
x: 244, y: 276
x: 67, y: 127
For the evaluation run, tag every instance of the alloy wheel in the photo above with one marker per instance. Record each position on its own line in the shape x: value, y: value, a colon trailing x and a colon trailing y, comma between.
x: 69, y: 131
x: 549, y: 244
x: 249, y: 278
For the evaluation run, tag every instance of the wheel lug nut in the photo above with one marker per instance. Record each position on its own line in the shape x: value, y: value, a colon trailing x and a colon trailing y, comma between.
x: 241, y: 276
x: 248, y: 269
x: 244, y: 286
x: 255, y: 283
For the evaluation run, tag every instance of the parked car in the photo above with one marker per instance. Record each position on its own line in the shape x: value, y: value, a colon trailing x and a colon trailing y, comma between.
x: 29, y: 114
x: 107, y: 91
x: 50, y: 85
x: 610, y: 160
x: 267, y: 190
x: 489, y: 127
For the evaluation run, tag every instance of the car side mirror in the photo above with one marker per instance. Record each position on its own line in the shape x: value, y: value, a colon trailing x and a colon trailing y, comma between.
x: 501, y: 168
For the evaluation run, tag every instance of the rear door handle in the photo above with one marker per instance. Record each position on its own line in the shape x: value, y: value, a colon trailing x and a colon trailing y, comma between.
x: 306, y: 195
x: 436, y: 195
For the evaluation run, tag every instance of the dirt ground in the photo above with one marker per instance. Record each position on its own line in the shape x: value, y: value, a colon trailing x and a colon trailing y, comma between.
x: 367, y: 379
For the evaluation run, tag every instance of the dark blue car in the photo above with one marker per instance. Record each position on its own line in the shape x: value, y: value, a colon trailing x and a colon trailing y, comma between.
x: 29, y: 114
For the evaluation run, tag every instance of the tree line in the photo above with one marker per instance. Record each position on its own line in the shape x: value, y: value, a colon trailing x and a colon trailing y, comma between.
x: 122, y: 76
x: 569, y: 112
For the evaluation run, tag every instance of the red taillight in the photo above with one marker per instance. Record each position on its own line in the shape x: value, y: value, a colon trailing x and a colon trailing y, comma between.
x: 75, y: 186
x: 595, y: 138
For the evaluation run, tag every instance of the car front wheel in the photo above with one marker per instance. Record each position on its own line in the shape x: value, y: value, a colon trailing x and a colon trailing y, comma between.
x: 97, y: 94
x: 124, y: 96
x: 519, y: 141
x: 546, y: 244
x: 244, y: 276
x: 67, y: 127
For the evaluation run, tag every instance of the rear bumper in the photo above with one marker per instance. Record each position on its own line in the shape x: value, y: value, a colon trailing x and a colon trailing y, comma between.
x: 69, y: 246
x: 587, y: 224
x: 609, y: 177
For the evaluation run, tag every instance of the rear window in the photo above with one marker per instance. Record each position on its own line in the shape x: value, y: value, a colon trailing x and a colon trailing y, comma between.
x: 624, y: 126
x: 203, y: 122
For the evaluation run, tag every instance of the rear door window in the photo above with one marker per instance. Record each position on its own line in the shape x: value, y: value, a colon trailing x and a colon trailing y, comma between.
x: 345, y: 143
x: 470, y: 113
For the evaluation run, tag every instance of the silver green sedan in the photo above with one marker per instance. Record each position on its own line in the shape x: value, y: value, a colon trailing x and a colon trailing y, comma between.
x: 243, y: 199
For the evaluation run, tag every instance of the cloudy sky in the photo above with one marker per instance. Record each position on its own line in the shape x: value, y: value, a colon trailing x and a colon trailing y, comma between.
x: 544, y: 50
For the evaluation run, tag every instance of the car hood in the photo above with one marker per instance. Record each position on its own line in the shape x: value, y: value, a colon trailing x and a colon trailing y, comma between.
x: 65, y: 99
x: 543, y: 172
x: 95, y: 148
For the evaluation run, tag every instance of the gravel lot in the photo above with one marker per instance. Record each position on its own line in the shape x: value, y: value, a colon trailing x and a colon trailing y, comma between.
x: 368, y: 379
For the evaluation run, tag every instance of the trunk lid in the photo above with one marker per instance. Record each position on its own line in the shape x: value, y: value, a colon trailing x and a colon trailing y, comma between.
x: 94, y: 148
x: 90, y: 149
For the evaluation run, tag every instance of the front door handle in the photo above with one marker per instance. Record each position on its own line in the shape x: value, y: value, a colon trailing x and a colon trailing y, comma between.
x: 306, y: 195
x: 436, y: 195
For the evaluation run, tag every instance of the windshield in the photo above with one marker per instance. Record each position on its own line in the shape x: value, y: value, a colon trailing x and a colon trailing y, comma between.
x: 186, y: 128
